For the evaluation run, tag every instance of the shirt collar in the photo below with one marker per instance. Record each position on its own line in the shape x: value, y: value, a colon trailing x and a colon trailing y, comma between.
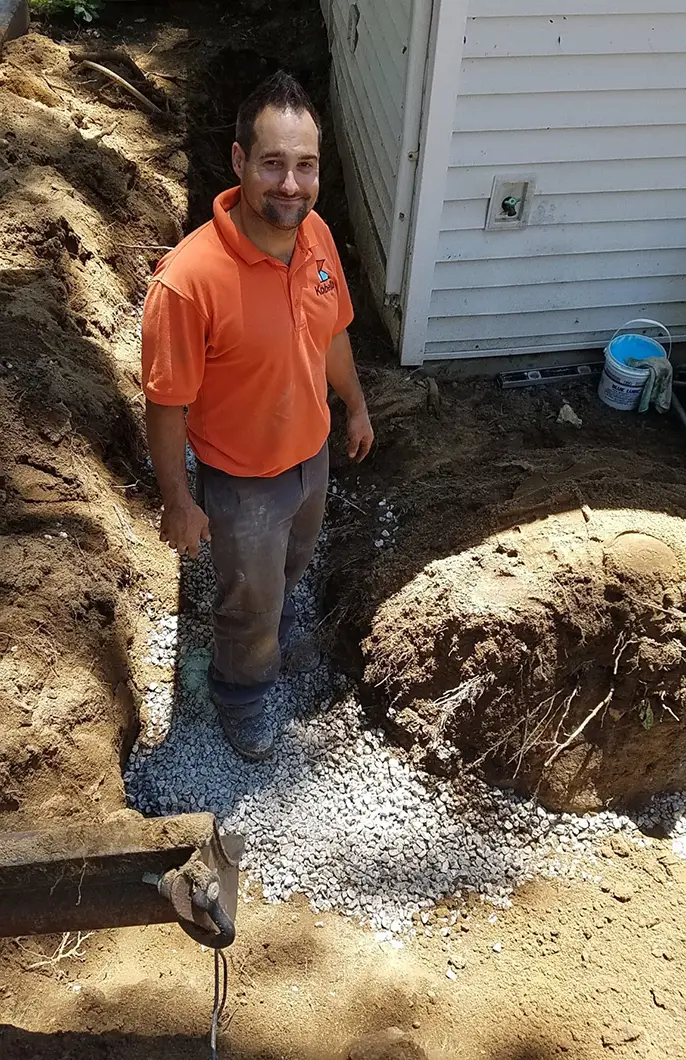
x: 244, y: 247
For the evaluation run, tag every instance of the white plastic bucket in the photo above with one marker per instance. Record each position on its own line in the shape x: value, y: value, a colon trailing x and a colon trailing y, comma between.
x: 620, y: 386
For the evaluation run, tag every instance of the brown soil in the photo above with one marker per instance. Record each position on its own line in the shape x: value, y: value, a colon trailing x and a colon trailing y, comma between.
x: 538, y: 569
x: 582, y: 974
x: 91, y: 188
x: 70, y: 423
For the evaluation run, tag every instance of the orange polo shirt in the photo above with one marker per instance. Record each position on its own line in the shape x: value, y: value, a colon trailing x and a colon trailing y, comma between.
x: 242, y: 339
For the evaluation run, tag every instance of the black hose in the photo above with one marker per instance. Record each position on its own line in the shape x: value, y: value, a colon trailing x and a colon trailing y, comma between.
x: 220, y: 989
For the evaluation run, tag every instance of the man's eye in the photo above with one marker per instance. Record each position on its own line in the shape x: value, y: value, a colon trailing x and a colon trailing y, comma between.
x: 306, y: 165
x: 272, y: 163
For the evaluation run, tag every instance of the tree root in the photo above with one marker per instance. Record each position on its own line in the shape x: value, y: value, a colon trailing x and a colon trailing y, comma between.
x: 151, y: 107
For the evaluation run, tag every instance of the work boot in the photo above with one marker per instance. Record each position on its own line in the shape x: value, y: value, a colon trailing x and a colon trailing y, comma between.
x: 251, y: 738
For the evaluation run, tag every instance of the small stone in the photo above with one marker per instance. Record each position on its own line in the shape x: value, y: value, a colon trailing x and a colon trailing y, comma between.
x: 623, y: 892
x: 621, y: 1035
x: 498, y: 947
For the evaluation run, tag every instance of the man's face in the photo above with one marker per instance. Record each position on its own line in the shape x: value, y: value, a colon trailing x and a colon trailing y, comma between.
x: 280, y: 178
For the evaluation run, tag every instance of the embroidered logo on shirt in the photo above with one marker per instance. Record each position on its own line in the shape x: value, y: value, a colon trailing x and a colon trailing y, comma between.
x: 326, y: 283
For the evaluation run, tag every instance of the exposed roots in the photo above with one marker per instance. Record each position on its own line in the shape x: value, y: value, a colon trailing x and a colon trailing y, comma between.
x: 466, y: 694
x: 580, y: 728
x: 70, y: 947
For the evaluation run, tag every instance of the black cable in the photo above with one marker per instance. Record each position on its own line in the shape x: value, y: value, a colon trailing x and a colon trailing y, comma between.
x: 220, y: 991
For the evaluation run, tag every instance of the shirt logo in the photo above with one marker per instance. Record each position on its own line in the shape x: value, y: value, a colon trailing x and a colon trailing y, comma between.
x: 326, y: 284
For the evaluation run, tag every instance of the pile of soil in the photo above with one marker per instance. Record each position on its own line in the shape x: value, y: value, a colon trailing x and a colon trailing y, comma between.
x: 76, y: 203
x: 539, y: 574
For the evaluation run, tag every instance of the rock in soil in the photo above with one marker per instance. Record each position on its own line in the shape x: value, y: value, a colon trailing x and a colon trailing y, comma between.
x: 623, y: 1034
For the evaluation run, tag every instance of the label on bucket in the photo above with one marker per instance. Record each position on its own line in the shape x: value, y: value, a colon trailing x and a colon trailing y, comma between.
x: 618, y: 395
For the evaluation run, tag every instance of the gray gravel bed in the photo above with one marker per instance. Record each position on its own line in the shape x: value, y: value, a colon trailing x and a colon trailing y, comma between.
x: 336, y: 814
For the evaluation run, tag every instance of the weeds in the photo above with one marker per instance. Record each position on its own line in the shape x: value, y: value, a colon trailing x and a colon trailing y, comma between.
x: 86, y: 10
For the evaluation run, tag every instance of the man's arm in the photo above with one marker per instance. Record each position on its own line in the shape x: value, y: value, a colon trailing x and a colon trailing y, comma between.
x: 342, y: 376
x: 184, y: 524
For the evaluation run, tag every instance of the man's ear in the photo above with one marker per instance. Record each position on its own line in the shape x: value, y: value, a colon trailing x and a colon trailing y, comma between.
x: 238, y: 160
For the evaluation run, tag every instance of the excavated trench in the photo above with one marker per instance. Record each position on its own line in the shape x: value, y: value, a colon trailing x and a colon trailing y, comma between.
x: 490, y: 622
x: 502, y: 618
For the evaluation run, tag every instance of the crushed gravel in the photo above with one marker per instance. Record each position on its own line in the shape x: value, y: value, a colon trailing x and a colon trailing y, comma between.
x: 336, y: 814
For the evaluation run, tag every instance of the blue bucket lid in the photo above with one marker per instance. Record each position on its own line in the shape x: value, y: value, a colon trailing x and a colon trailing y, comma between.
x: 635, y: 347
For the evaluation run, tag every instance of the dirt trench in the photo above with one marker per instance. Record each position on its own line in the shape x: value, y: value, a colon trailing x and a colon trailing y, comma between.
x: 91, y: 190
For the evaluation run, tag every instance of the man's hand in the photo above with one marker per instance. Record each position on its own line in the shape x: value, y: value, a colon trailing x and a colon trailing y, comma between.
x: 360, y: 435
x: 184, y: 526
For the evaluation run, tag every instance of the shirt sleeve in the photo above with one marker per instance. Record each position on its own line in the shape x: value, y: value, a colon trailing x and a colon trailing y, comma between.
x: 175, y: 337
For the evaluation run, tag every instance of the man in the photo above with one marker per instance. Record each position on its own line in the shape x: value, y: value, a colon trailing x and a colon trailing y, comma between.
x: 245, y: 323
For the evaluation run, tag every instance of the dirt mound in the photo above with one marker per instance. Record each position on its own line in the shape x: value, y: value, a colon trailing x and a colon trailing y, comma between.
x: 532, y: 618
x: 75, y: 206
x: 501, y: 652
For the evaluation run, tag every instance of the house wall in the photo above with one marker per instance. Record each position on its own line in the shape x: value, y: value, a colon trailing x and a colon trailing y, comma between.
x: 592, y: 105
x: 368, y: 93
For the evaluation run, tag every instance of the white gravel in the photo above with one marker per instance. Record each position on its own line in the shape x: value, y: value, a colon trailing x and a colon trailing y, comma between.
x: 336, y: 814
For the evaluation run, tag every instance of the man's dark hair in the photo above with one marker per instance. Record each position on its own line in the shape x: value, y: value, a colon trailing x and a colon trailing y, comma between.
x: 280, y: 91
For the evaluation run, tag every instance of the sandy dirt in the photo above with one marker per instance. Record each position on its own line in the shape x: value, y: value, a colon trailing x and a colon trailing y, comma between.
x: 581, y: 974
x: 92, y: 189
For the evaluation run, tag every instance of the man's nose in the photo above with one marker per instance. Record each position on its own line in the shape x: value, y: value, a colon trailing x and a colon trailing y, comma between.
x: 289, y: 185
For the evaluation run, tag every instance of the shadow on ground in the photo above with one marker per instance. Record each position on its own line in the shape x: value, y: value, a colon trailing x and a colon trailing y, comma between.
x: 26, y: 1045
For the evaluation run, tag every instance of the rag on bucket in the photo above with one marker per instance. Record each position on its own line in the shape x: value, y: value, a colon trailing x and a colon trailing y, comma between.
x: 658, y: 386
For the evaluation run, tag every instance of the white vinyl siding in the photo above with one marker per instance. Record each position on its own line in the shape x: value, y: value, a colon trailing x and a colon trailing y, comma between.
x: 594, y: 106
x: 369, y: 83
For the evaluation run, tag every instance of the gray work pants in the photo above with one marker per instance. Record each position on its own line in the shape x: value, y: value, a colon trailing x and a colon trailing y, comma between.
x: 264, y: 532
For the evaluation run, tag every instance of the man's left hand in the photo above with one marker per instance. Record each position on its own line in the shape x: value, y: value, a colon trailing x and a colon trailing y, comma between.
x: 360, y: 435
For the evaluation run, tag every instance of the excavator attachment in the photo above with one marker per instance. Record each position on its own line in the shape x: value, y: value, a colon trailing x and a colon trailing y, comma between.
x: 125, y: 871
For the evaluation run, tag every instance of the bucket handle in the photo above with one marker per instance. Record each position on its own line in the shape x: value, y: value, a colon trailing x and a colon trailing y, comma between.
x: 650, y: 323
